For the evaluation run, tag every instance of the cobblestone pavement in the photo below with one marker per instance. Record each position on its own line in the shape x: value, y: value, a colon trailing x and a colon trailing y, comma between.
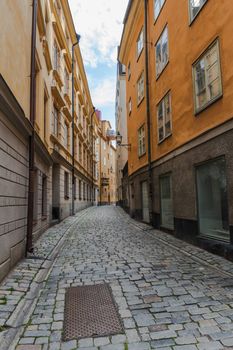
x: 170, y: 294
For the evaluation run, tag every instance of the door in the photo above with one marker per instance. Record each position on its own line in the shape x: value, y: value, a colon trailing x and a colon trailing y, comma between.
x: 145, y: 202
x: 167, y: 216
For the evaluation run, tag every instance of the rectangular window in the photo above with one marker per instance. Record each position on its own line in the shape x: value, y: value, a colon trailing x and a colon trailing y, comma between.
x: 66, y: 135
x: 84, y: 191
x: 140, y: 87
x: 140, y: 43
x: 167, y: 216
x: 129, y: 71
x: 56, y: 56
x: 161, y: 52
x: 44, y: 196
x: 207, y: 78
x: 130, y: 106
x: 55, y: 121
x: 67, y: 82
x: 141, y: 141
x: 164, y: 117
x: 66, y: 185
x: 75, y: 189
x: 80, y: 189
x: 195, y: 7
x: 212, y: 199
x: 158, y: 4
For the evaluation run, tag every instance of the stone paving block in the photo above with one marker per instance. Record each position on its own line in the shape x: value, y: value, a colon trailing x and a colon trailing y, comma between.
x: 88, y: 342
x: 70, y: 345
x: 139, y: 346
x: 163, y: 335
x: 101, y: 341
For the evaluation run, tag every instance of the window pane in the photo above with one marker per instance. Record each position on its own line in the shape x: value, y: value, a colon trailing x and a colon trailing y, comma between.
x: 212, y: 199
x: 195, y: 6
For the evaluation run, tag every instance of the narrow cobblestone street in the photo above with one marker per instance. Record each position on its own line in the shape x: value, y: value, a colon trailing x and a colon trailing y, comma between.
x: 170, y: 295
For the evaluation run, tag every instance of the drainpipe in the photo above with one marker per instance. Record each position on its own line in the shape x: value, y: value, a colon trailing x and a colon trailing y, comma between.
x: 29, y: 246
x: 73, y: 150
x: 148, y: 111
x: 92, y: 146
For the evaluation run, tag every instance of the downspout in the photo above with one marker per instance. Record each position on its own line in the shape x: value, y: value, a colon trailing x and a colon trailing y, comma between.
x: 150, y: 187
x: 29, y: 247
x: 92, y: 173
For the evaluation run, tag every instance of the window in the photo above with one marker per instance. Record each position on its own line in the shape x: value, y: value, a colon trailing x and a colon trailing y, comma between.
x: 141, y: 141
x: 66, y: 185
x: 55, y: 121
x: 35, y: 197
x: 212, y: 199
x: 195, y: 7
x: 66, y: 135
x: 56, y: 56
x: 140, y: 43
x: 44, y: 196
x: 166, y: 201
x: 84, y: 191
x: 140, y: 86
x: 164, y: 117
x: 80, y: 153
x: 129, y: 71
x: 130, y: 105
x: 207, y: 78
x: 75, y: 188
x: 161, y: 52
x: 158, y: 4
x: 80, y: 189
x: 67, y: 83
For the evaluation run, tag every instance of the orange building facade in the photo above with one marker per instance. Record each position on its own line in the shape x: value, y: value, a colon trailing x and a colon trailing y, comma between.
x: 179, y: 93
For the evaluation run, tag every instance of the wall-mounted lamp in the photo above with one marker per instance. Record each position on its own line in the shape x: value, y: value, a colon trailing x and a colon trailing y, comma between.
x: 119, y: 141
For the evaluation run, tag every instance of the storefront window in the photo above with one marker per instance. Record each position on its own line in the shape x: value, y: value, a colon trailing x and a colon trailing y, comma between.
x: 212, y: 199
x: 167, y: 216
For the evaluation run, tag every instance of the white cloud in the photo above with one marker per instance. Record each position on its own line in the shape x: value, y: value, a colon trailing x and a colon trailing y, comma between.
x: 103, y: 93
x: 99, y: 22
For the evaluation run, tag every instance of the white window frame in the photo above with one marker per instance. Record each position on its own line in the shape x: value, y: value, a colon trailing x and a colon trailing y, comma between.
x: 141, y: 141
x: 164, y: 115
x: 158, y: 4
x: 140, y: 88
x: 140, y: 42
x: 191, y: 6
x: 209, y: 100
x: 160, y: 66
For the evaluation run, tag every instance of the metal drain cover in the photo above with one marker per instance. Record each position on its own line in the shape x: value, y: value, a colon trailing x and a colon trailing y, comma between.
x: 90, y: 311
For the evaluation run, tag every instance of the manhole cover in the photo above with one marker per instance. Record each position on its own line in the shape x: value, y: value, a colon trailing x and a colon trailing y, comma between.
x: 90, y: 311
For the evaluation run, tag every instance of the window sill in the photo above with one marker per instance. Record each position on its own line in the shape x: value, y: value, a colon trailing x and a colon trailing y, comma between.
x: 159, y: 75
x: 202, y: 109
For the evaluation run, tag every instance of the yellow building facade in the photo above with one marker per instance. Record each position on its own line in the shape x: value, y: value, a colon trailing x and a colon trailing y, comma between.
x: 179, y: 117
x: 60, y: 172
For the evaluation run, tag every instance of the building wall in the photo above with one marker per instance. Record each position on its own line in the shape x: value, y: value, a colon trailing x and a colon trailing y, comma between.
x: 177, y: 76
x: 121, y: 127
x: 15, y: 17
x: 13, y: 194
x: 197, y: 139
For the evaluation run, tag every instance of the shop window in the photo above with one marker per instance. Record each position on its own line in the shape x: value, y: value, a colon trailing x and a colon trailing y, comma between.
x: 212, y: 199
x: 66, y: 185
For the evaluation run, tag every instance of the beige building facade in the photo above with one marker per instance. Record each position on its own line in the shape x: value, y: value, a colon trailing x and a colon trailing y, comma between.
x: 51, y: 182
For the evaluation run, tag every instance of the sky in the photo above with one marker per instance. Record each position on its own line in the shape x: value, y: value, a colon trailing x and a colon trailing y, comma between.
x: 99, y: 22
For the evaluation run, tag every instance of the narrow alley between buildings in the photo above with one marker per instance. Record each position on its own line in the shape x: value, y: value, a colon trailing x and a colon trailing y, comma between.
x: 170, y: 295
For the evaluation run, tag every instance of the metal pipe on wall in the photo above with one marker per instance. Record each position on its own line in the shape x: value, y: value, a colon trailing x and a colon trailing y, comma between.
x: 29, y: 246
